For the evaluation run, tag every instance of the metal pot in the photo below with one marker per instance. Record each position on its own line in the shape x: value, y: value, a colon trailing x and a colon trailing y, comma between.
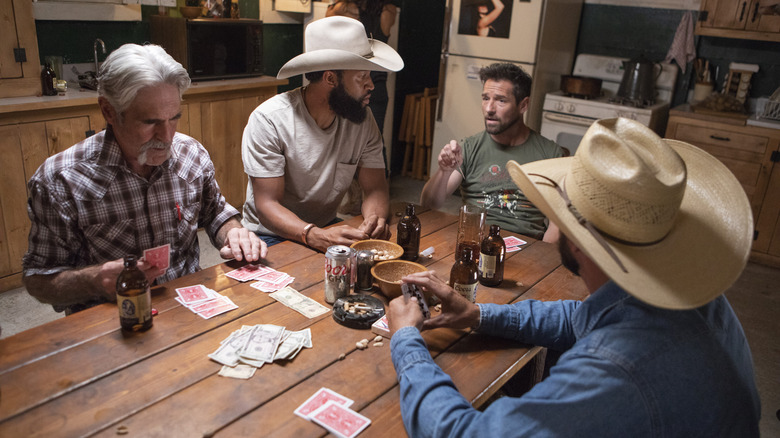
x: 589, y: 88
x: 639, y: 77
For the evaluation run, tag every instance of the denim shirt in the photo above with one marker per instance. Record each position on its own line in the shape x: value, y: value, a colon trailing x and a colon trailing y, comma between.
x: 629, y: 369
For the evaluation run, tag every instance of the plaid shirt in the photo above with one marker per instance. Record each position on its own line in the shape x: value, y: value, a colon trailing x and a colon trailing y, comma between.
x: 87, y: 207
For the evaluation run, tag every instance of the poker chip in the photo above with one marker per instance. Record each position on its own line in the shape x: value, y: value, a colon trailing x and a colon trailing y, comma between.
x: 357, y: 311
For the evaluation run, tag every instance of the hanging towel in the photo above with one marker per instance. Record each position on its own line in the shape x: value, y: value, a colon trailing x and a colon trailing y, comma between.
x: 683, y: 50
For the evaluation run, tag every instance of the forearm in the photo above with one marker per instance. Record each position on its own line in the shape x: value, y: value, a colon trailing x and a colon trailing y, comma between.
x: 281, y: 221
x: 376, y: 203
x: 436, y: 189
x: 68, y: 287
x: 547, y: 324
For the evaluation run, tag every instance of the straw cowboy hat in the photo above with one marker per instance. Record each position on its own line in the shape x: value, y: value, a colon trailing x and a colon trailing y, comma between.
x: 665, y: 220
x: 340, y: 43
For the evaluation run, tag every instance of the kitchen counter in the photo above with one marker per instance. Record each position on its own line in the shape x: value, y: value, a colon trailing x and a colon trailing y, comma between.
x: 75, y: 96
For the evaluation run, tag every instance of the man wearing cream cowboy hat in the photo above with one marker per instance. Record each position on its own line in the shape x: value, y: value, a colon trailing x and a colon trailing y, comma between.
x: 301, y: 149
x: 658, y: 230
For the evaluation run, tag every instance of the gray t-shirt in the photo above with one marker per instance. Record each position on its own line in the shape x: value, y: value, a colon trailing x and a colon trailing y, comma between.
x: 487, y: 183
x: 318, y: 165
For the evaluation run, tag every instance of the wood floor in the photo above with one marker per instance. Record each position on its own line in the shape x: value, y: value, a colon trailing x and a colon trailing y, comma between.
x: 755, y: 298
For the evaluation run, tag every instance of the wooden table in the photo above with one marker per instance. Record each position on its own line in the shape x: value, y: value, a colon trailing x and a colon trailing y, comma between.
x: 81, y: 375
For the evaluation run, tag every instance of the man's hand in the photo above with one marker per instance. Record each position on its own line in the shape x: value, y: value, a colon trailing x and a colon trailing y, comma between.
x: 375, y: 227
x: 451, y: 157
x: 456, y: 311
x: 322, y: 238
x: 242, y: 244
x: 109, y: 272
x: 404, y: 312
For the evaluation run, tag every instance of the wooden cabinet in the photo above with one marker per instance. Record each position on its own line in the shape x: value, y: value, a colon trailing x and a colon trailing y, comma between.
x: 752, y: 154
x: 32, y: 129
x: 744, y: 19
x: 20, y: 70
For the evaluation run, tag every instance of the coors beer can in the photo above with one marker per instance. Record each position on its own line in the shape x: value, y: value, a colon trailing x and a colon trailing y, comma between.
x: 338, y: 272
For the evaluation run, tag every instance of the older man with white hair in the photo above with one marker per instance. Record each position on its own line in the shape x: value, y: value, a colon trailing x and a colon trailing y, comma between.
x: 301, y: 149
x: 134, y: 186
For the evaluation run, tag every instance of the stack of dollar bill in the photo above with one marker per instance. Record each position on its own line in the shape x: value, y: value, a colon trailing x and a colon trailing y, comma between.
x: 251, y: 347
x: 299, y: 302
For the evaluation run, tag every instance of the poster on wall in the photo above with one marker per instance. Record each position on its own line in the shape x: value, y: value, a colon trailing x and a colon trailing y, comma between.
x: 293, y: 6
x: 486, y: 18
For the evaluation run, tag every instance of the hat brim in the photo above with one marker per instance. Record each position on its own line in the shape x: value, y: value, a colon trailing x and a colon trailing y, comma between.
x: 384, y: 58
x: 698, y: 260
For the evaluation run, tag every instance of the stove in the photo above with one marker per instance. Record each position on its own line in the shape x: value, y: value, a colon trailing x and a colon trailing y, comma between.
x: 565, y: 119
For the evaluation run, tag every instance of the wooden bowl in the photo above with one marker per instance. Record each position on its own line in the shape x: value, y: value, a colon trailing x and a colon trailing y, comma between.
x: 391, y: 250
x: 388, y: 275
x: 191, y: 12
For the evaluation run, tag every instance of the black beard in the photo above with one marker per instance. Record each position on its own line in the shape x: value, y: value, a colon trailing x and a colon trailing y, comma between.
x: 346, y: 106
x: 567, y: 258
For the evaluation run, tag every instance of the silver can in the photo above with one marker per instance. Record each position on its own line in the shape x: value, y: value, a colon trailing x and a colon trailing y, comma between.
x: 338, y: 272
x: 364, y: 260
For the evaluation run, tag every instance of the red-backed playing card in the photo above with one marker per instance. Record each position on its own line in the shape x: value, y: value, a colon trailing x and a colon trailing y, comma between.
x: 339, y: 420
x: 511, y: 241
x: 193, y: 294
x: 322, y: 396
x: 159, y: 257
x: 248, y: 272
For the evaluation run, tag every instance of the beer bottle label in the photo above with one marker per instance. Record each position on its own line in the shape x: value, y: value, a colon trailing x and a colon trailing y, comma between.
x: 467, y: 290
x: 487, y: 265
x: 137, y: 309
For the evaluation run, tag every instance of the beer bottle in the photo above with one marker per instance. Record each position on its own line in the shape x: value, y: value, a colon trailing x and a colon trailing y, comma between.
x: 409, y: 234
x: 491, y: 258
x: 48, y: 81
x: 133, y: 297
x: 463, y: 276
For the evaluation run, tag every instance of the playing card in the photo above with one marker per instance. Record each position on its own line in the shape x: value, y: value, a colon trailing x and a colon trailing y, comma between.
x: 514, y: 248
x: 248, y: 272
x: 320, y: 398
x: 340, y: 420
x: 410, y: 290
x: 193, y: 294
x: 381, y: 327
x: 159, y: 256
x: 224, y: 306
x: 511, y: 241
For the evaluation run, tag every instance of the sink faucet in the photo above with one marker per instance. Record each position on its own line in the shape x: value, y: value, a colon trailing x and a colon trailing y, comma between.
x: 94, y: 48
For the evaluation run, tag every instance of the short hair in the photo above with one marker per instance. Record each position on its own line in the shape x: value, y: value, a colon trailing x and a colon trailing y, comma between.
x: 314, y: 76
x: 132, y: 67
x: 520, y: 80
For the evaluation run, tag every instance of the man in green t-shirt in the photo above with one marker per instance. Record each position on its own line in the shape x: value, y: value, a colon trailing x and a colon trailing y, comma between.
x: 480, y: 160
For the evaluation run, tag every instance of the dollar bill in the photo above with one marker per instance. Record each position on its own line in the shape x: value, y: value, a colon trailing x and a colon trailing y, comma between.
x: 262, y: 342
x: 238, y: 371
x: 299, y: 302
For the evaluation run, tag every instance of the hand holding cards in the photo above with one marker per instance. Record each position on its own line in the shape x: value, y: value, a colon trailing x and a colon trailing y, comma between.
x: 159, y: 257
x: 410, y: 290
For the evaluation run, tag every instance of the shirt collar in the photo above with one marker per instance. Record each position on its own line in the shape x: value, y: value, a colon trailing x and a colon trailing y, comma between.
x: 595, y: 308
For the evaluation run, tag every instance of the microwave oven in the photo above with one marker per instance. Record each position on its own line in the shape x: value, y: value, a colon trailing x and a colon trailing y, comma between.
x: 212, y: 48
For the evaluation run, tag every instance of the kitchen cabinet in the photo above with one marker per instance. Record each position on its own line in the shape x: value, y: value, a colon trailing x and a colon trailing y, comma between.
x: 744, y: 19
x: 35, y: 128
x: 20, y: 71
x: 752, y: 154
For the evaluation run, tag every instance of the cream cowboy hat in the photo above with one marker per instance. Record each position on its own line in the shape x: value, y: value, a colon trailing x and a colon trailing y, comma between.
x: 340, y: 43
x: 665, y: 220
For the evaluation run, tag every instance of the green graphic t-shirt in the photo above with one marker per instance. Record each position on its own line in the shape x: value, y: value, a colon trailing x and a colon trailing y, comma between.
x: 487, y: 183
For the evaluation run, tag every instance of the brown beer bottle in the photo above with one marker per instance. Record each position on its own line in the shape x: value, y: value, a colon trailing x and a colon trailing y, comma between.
x: 133, y: 297
x: 491, y: 258
x: 48, y: 81
x: 409, y: 234
x: 463, y: 276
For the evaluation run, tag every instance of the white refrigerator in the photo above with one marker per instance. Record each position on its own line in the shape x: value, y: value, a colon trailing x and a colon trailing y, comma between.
x: 538, y: 35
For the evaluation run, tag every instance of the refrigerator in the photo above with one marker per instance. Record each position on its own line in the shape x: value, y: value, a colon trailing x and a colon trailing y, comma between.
x: 538, y: 35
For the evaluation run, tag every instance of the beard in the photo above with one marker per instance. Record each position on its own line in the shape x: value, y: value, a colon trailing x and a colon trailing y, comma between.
x: 154, y: 144
x: 501, y: 127
x: 567, y: 258
x: 347, y: 106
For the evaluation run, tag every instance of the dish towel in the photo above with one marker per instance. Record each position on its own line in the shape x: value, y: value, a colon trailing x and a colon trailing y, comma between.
x: 683, y: 50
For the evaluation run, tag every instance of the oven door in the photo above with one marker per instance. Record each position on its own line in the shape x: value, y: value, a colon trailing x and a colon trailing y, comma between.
x: 565, y: 129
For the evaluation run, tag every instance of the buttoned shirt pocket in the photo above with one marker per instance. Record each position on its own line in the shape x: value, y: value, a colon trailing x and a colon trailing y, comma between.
x: 111, y: 240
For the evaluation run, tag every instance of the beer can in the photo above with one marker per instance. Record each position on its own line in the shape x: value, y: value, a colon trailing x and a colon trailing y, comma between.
x: 364, y: 260
x: 338, y: 272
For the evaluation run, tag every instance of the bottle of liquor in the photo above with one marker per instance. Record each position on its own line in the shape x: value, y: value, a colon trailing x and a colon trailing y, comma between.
x: 133, y: 297
x: 463, y: 276
x: 409, y: 234
x: 491, y: 258
x: 48, y: 81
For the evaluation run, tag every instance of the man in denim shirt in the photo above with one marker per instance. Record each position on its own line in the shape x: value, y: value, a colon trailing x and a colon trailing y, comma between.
x: 658, y: 230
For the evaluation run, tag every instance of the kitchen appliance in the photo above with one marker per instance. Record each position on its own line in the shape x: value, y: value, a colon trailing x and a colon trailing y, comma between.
x: 565, y: 119
x: 538, y: 35
x: 212, y: 48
